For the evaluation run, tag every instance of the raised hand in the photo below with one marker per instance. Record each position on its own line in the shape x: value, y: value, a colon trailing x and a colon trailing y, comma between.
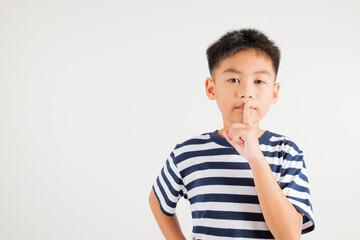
x: 243, y: 136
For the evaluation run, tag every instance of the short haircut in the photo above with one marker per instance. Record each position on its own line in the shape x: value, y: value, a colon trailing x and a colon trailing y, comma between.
x: 244, y: 39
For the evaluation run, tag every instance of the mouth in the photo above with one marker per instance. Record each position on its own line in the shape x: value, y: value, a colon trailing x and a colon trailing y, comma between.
x: 241, y: 107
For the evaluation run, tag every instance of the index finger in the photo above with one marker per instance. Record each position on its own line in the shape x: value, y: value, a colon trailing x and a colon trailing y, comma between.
x: 246, y: 113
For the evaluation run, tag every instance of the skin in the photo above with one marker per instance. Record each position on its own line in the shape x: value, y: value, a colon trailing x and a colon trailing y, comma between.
x: 169, y: 226
x: 244, y: 88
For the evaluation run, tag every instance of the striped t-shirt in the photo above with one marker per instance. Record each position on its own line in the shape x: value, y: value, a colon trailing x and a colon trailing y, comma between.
x: 209, y: 172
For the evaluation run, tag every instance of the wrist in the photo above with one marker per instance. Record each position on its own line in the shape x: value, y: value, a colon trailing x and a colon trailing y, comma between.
x: 256, y: 154
x: 258, y: 159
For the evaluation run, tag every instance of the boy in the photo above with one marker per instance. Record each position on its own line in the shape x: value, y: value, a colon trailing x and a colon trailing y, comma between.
x: 242, y: 182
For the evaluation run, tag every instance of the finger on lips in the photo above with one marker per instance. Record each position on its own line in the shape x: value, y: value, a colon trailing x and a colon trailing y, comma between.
x: 246, y: 113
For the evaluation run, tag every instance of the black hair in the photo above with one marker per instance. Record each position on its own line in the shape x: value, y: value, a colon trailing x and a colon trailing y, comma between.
x: 238, y: 40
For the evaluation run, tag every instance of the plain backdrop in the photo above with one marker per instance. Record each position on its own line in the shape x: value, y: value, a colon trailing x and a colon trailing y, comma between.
x: 94, y: 95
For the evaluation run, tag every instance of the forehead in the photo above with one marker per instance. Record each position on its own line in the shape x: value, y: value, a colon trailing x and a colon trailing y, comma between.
x: 246, y: 61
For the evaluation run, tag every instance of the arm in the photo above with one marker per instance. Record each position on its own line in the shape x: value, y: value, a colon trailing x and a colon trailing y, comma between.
x: 169, y: 226
x: 283, y: 220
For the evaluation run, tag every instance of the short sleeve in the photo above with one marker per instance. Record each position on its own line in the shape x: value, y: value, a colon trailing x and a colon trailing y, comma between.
x: 295, y: 185
x: 169, y: 187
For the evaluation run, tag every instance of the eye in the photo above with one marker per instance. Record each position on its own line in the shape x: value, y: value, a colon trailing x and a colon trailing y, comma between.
x: 259, y: 82
x: 234, y: 80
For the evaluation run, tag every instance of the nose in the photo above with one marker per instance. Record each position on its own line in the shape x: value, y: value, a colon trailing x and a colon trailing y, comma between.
x: 246, y: 90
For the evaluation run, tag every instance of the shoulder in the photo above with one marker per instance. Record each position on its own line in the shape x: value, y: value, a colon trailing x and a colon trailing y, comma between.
x: 283, y: 143
x: 197, y: 139
x: 198, y: 145
x: 196, y: 142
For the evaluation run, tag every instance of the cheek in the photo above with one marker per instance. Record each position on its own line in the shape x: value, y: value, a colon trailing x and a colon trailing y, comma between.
x: 266, y: 102
x: 267, y: 95
x: 224, y: 95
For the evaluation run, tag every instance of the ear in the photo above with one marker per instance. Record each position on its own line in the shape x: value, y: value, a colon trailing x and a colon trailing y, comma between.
x: 275, y: 96
x: 210, y: 88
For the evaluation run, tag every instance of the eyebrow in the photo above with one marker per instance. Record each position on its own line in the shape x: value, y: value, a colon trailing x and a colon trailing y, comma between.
x: 232, y: 70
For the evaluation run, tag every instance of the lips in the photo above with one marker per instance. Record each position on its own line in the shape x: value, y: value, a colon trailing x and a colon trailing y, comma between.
x: 241, y: 107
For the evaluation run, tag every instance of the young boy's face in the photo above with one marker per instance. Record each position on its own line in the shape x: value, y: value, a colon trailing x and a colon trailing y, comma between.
x: 245, y: 76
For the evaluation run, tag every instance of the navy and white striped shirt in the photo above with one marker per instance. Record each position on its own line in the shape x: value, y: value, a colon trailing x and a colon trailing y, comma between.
x: 219, y: 185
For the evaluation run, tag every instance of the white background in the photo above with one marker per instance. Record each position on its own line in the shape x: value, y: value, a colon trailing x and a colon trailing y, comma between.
x: 94, y: 95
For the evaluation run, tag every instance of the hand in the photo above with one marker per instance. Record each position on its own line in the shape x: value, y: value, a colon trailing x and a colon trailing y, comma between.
x: 243, y: 136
